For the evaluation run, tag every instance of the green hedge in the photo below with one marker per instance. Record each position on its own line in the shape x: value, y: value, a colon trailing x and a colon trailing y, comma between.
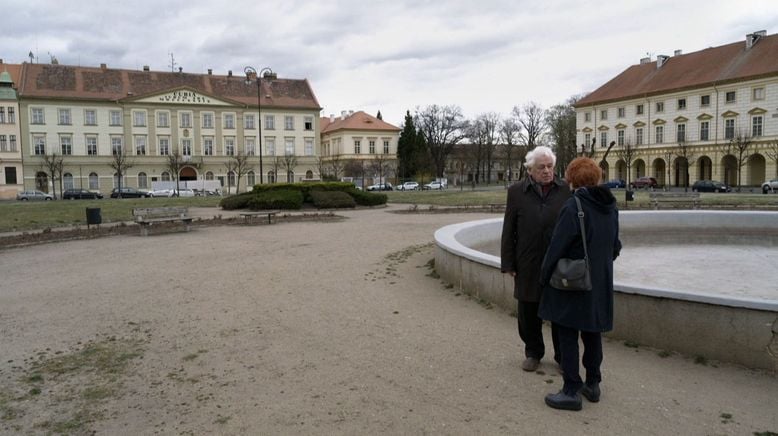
x: 367, y: 198
x: 240, y: 201
x: 276, y: 200
x: 332, y: 199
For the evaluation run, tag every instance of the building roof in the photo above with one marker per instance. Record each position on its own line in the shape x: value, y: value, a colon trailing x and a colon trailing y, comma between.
x: 89, y: 83
x: 9, y: 79
x: 712, y: 66
x: 357, y: 121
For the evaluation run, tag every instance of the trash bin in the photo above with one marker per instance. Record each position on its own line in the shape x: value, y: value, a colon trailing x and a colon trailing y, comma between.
x: 630, y: 195
x: 93, y: 216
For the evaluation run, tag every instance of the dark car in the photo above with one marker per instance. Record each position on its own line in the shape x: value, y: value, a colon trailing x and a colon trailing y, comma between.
x: 80, y: 194
x: 644, y: 182
x: 710, y: 186
x: 128, y: 193
x: 616, y: 183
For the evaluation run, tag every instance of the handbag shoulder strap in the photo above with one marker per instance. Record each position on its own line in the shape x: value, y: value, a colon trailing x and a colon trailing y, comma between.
x: 583, y: 229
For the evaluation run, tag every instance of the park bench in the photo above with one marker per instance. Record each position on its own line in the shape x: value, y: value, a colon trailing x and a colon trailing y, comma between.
x: 249, y: 216
x: 147, y: 216
x: 676, y: 199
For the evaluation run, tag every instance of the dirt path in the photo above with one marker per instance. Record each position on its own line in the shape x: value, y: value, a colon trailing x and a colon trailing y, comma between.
x: 309, y: 328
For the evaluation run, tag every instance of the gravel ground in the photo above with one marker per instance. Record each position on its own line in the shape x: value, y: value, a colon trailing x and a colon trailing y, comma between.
x: 332, y: 327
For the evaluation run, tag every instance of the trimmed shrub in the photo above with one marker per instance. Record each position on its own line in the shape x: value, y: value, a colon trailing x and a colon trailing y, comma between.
x: 367, y: 198
x: 305, y: 188
x: 332, y: 200
x: 239, y: 201
x: 288, y: 199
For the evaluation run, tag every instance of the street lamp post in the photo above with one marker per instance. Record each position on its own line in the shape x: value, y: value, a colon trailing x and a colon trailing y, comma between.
x: 258, y: 74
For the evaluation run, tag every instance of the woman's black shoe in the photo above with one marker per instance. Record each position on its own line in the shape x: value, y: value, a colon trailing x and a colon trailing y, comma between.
x: 561, y: 400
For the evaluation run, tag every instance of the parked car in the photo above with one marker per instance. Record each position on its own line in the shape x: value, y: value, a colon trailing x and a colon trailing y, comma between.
x: 644, y: 182
x: 183, y: 192
x: 128, y: 193
x: 161, y: 193
x: 616, y: 183
x: 770, y: 186
x: 408, y: 186
x: 33, y: 195
x: 380, y: 187
x: 710, y: 186
x: 433, y: 185
x: 81, y: 194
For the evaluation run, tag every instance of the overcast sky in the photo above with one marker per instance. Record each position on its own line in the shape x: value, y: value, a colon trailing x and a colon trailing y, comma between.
x: 393, y: 56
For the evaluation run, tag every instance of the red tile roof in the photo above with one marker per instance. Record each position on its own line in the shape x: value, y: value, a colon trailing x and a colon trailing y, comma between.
x: 14, y: 70
x: 712, y: 66
x: 357, y: 121
x: 87, y: 83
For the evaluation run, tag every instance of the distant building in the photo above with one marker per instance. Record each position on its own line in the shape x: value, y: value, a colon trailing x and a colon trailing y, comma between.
x: 687, y: 110
x: 11, y: 170
x: 87, y: 115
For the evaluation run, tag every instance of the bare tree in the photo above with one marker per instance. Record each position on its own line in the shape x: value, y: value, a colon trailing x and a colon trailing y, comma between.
x: 229, y: 166
x: 532, y: 118
x: 489, y: 125
x: 740, y: 145
x: 120, y: 164
x: 241, y: 166
x: 771, y: 150
x: 355, y: 168
x: 53, y: 165
x: 275, y: 164
x: 441, y: 128
x: 174, y: 164
x: 561, y: 120
x: 289, y: 162
x: 684, y: 154
x: 627, y: 153
x: 380, y: 164
x: 337, y: 165
x: 509, y: 135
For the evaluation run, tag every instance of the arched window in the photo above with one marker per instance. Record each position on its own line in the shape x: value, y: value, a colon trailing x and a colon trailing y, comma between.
x: 142, y: 180
x: 165, y: 176
x: 209, y: 175
x: 42, y: 181
x: 309, y: 174
x: 231, y: 178
x: 67, y: 180
x: 271, y: 177
x: 250, y: 179
x: 93, y: 181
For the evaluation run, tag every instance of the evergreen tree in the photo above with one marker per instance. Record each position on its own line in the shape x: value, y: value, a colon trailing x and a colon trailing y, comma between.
x: 378, y: 115
x: 407, y: 148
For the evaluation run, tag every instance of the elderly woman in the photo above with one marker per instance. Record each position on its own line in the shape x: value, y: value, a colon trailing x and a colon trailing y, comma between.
x: 588, y: 313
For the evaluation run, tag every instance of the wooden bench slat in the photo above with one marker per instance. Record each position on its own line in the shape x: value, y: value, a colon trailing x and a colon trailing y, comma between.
x: 146, y: 216
x: 656, y: 198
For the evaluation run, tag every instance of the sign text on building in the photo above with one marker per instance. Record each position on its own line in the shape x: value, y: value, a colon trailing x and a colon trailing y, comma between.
x: 184, y: 97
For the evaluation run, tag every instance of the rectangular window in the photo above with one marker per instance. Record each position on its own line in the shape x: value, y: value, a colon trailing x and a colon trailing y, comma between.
x: 116, y: 145
x: 731, y: 95
x: 680, y: 132
x: 729, y: 128
x: 163, y: 119
x: 681, y: 104
x: 371, y: 146
x: 758, y: 94
x: 639, y: 136
x: 208, y: 146
x: 2, y: 115
x: 186, y: 120
x: 620, y: 137
x: 704, y: 130
x: 91, y: 145
x: 115, y: 118
x: 40, y: 145
x: 386, y: 147
x: 37, y: 116
x: 12, y: 140
x: 139, y: 119
x: 66, y: 145
x: 621, y: 112
x: 64, y: 117
x: 756, y: 126
x: 229, y: 146
x: 603, y: 139
x: 186, y: 147
x: 229, y: 121
x: 309, y: 146
x: 357, y: 146
x: 604, y: 114
x: 90, y: 117
x: 140, y: 145
x: 11, y: 116
x: 207, y: 121
x: 660, y: 134
x: 288, y: 122
x: 660, y: 106
x: 639, y: 109
x: 270, y: 148
x: 164, y: 146
x: 705, y: 100
x: 3, y: 143
x: 248, y: 121
x: 10, y: 175
x: 308, y: 123
x: 289, y: 146
x: 587, y: 116
x: 270, y: 122
x: 250, y: 146
x: 587, y: 139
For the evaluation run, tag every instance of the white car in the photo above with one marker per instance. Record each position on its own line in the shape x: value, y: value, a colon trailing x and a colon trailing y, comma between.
x: 161, y: 193
x: 408, y: 186
x: 183, y: 192
x: 433, y: 185
x: 770, y: 186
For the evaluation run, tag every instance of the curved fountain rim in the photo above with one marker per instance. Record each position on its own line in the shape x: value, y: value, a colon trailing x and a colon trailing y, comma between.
x: 446, y: 239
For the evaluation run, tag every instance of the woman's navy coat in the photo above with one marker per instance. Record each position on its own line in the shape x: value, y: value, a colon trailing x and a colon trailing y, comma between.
x: 584, y: 310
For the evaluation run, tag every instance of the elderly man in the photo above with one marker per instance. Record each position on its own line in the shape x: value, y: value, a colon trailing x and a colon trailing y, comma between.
x: 530, y: 216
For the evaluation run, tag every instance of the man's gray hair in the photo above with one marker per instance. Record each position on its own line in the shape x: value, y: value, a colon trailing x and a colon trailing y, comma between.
x: 535, y: 153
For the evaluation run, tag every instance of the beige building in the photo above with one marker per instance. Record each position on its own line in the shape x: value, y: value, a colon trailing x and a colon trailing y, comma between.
x: 88, y: 115
x: 686, y: 113
x: 11, y: 173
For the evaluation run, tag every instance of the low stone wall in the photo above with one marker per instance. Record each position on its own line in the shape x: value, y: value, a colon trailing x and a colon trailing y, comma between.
x: 729, y: 329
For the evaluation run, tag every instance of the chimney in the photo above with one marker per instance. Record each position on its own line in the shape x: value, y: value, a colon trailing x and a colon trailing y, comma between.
x: 145, y: 68
x: 229, y: 73
x: 332, y: 118
x: 350, y: 113
x: 752, y: 38
x: 210, y: 71
x: 645, y: 60
x: 661, y: 60
x: 103, y: 67
x: 342, y: 115
x: 677, y: 52
x: 180, y: 69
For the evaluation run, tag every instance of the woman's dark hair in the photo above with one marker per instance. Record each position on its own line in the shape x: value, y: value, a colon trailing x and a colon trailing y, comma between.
x: 583, y: 171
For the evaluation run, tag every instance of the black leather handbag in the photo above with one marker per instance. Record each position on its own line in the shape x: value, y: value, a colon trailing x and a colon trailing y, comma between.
x: 573, y: 274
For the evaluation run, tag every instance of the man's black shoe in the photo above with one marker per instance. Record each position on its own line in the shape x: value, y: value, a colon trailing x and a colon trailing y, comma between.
x: 560, y: 400
x: 591, y: 392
